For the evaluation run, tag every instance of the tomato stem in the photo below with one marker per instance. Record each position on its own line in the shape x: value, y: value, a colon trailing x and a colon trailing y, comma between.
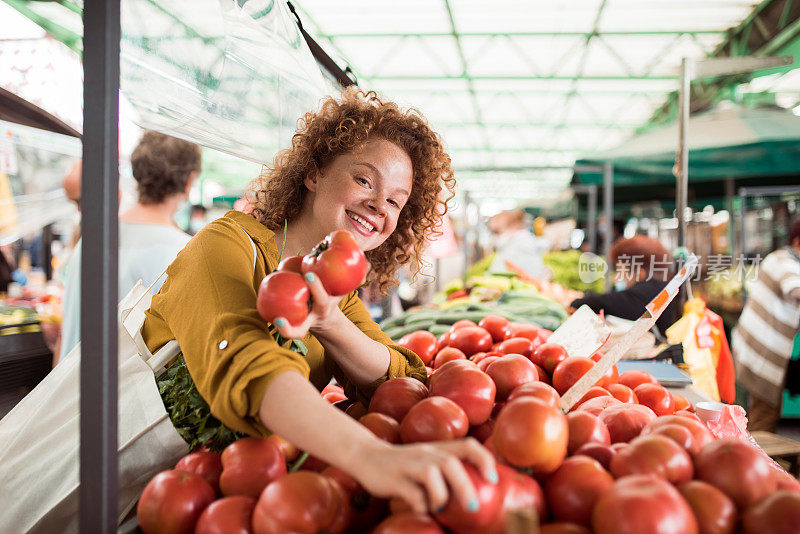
x: 299, y: 463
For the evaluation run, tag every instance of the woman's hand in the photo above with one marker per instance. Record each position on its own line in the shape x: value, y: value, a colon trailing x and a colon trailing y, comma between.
x: 323, y: 316
x: 425, y: 474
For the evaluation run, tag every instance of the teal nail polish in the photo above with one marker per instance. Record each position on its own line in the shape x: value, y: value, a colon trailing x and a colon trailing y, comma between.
x: 493, y: 478
x: 279, y: 323
x: 310, y: 277
x: 473, y: 505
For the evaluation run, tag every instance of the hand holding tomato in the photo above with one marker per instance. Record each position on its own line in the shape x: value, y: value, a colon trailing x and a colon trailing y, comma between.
x: 338, y: 262
x: 323, y: 315
x: 421, y: 473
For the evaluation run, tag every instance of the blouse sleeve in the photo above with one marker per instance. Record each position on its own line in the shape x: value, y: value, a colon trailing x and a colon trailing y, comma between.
x: 209, y: 304
x: 403, y: 362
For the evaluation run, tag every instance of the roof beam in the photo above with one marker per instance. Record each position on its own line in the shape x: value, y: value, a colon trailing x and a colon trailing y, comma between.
x: 524, y: 34
x: 601, y: 78
x: 777, y: 23
x: 62, y: 34
x: 465, y: 73
x: 527, y: 124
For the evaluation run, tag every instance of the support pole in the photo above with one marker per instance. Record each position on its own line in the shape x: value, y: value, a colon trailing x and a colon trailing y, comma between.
x: 98, y: 404
x: 608, y: 209
x: 681, y: 169
x: 592, y: 227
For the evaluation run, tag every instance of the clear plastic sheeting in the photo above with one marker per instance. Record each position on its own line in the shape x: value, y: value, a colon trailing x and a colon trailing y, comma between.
x: 234, y: 75
x: 32, y: 165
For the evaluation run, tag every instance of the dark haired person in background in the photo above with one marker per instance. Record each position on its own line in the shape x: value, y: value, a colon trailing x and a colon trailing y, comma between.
x: 164, y: 168
x: 642, y: 269
x: 762, y: 340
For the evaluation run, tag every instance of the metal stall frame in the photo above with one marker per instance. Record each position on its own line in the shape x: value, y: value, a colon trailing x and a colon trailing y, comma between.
x: 99, y: 467
x: 590, y: 190
x: 745, y: 192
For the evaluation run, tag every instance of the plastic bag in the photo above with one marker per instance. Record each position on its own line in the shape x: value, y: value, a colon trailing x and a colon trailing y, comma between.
x: 730, y: 421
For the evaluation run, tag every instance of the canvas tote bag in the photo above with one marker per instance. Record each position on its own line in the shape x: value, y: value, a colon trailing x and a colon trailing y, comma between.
x: 40, y: 437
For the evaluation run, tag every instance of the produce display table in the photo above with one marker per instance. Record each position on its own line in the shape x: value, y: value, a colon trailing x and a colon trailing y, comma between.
x: 780, y: 448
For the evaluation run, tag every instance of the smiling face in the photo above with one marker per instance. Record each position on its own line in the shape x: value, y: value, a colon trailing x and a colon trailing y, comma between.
x: 361, y: 191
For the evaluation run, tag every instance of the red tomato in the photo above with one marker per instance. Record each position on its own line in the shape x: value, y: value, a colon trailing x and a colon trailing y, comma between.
x: 230, y: 515
x: 471, y: 339
x: 569, y: 371
x: 680, y: 401
x: 584, y: 428
x: 422, y: 343
x: 283, y: 294
x: 518, y: 492
x: 347, y: 482
x: 599, y: 451
x: 549, y: 355
x: 594, y: 391
x: 304, y: 503
x: 596, y: 405
x: 653, y: 455
x: 677, y: 433
x: 339, y: 262
x: 248, y: 465
x: 442, y: 341
x: 335, y: 397
x: 448, y: 354
x: 701, y: 436
x: 434, y: 419
x: 611, y: 376
x: 483, y: 431
x: 626, y: 421
x: 715, y: 512
x: 461, y: 324
x: 530, y: 331
x: 643, y: 503
x: 530, y: 433
x: 289, y: 451
x: 468, y: 387
x: 496, y: 326
x: 205, y: 463
x: 516, y: 345
x: 172, y: 502
x: 738, y: 469
x: 457, y: 517
x: 539, y: 390
x: 356, y: 410
x: 655, y: 397
x: 543, y: 375
x: 408, y: 523
x: 461, y: 363
x: 562, y: 527
x: 575, y: 487
x: 292, y: 264
x: 634, y: 377
x: 623, y: 393
x: 778, y: 513
x: 509, y: 372
x: 396, y: 396
x: 487, y: 361
x: 382, y: 426
x: 688, y: 414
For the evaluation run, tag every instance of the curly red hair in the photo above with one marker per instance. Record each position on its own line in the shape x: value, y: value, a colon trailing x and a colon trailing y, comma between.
x: 342, y: 125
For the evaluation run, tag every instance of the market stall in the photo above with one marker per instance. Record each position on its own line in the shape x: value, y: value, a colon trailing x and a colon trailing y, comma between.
x: 255, y: 394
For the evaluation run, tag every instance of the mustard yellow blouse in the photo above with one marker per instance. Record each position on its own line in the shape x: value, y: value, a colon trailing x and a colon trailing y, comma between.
x: 208, y: 304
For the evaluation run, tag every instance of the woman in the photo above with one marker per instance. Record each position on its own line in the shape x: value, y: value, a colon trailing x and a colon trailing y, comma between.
x: 642, y: 270
x: 164, y: 168
x: 358, y: 164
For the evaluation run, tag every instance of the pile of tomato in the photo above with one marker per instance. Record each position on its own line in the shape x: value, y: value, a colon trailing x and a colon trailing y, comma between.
x: 630, y: 457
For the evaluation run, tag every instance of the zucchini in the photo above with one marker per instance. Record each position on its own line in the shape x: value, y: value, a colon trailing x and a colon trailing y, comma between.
x: 438, y: 329
x: 399, y: 331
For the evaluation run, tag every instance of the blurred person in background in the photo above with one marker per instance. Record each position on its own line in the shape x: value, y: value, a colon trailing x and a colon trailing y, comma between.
x: 197, y: 218
x: 516, y: 244
x: 762, y: 340
x: 164, y: 169
x: 642, y: 268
